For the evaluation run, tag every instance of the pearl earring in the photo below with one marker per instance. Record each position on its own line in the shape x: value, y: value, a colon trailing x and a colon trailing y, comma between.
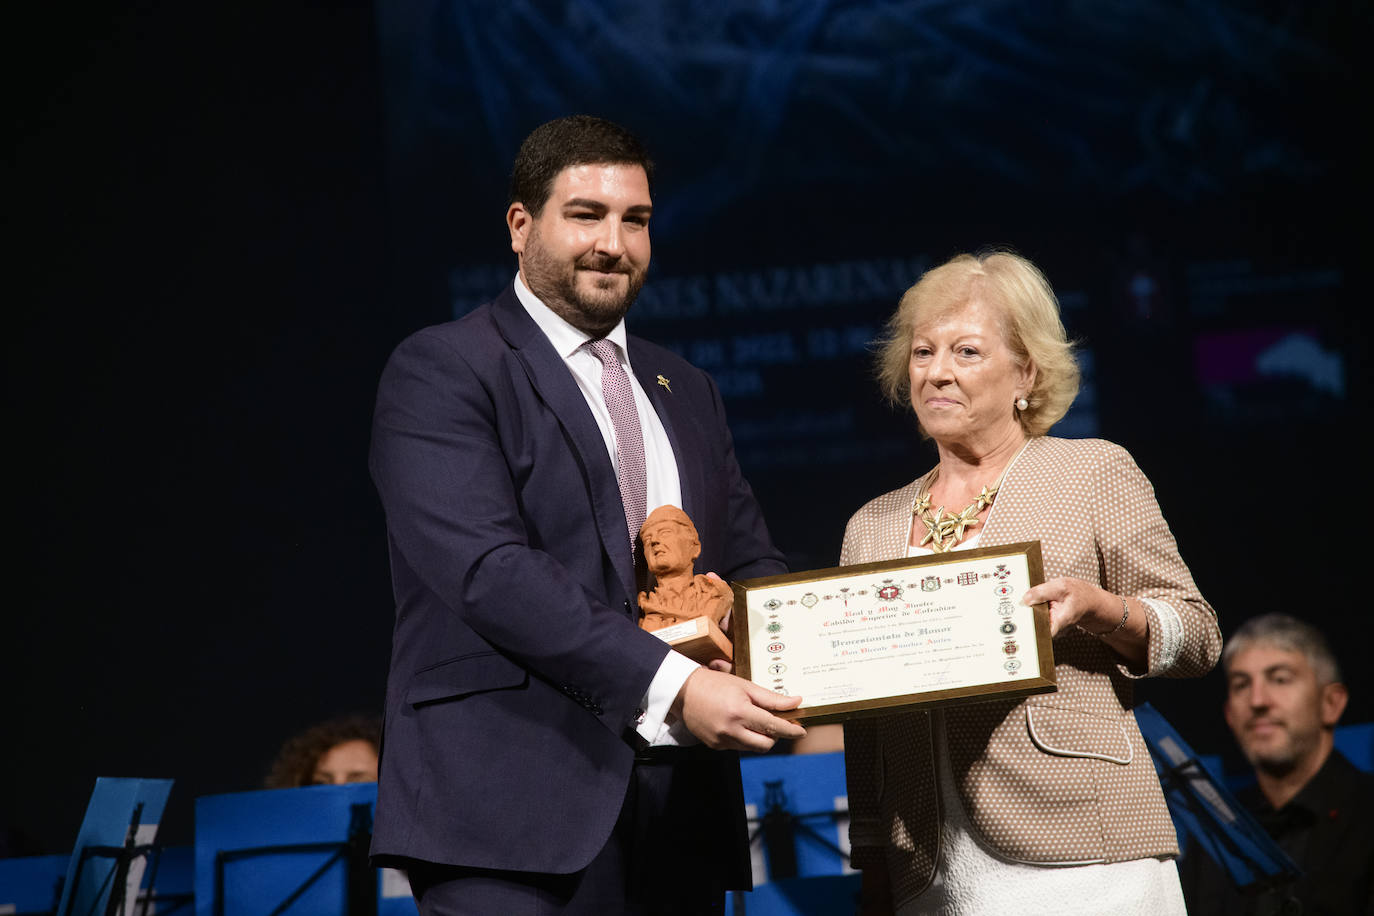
x: 1022, y: 403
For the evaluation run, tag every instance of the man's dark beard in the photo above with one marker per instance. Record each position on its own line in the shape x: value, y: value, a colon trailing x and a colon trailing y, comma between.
x: 556, y: 286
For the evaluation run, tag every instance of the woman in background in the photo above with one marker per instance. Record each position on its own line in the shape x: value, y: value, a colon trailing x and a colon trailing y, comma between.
x: 329, y: 754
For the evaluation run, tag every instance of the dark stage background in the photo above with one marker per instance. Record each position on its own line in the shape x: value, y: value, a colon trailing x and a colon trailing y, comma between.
x: 223, y: 219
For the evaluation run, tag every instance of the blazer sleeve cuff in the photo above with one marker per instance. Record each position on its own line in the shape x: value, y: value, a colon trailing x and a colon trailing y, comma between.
x: 867, y: 843
x: 1166, y: 639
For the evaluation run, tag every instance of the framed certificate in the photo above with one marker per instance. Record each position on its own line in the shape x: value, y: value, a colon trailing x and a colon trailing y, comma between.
x: 921, y: 631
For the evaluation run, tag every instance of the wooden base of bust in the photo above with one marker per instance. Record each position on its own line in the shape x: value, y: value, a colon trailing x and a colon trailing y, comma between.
x: 699, y: 638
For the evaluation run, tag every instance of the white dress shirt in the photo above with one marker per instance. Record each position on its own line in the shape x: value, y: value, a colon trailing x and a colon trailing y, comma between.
x: 664, y: 485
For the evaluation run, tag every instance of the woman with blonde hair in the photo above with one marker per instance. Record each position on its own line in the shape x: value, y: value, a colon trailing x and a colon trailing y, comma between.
x: 1049, y: 803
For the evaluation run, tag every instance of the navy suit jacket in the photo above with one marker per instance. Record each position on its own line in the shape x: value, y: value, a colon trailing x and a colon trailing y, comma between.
x: 517, y: 665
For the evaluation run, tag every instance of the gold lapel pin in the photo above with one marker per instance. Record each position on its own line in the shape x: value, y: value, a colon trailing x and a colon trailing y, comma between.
x: 664, y: 382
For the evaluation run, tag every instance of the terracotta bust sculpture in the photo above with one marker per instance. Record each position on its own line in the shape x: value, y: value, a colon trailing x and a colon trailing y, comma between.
x: 670, y: 547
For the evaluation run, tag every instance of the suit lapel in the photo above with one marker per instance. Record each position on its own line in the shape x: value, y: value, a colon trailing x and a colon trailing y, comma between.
x: 552, y: 381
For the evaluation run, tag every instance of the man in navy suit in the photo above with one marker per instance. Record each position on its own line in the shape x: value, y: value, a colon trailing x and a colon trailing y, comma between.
x: 542, y: 753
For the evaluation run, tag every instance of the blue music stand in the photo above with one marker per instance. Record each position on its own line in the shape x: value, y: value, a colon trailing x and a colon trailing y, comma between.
x: 113, y: 846
x: 31, y: 884
x: 292, y: 852
x: 799, y: 820
x: 1204, y: 809
x: 1356, y: 743
x: 169, y: 889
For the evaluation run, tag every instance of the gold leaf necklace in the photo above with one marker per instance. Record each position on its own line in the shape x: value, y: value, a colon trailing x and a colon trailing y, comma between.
x: 945, y: 531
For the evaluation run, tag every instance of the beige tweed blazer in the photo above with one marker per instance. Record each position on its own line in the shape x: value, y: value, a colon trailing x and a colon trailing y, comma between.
x: 1063, y: 777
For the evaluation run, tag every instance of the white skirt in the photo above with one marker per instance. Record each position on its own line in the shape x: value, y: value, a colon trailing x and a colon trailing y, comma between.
x: 972, y: 880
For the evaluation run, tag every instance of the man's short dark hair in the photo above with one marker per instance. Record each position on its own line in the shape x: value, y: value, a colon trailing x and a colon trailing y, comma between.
x: 575, y: 140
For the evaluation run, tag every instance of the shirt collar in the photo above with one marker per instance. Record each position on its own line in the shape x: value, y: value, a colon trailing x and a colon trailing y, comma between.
x: 1321, y: 793
x: 565, y: 338
x: 1323, y: 790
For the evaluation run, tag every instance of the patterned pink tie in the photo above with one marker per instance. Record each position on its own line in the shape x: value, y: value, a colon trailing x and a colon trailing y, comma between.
x: 629, y: 438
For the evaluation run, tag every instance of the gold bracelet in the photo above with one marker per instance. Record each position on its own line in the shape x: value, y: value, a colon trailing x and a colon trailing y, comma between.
x: 1125, y: 613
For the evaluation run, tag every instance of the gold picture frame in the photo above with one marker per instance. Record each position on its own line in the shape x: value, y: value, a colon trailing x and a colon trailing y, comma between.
x: 923, y: 631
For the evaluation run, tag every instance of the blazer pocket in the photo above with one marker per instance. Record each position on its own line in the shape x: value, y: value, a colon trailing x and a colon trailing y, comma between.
x: 1069, y: 733
x: 464, y: 676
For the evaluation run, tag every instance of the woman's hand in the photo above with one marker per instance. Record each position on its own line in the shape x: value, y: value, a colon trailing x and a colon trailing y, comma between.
x: 1120, y: 623
x: 1074, y: 601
